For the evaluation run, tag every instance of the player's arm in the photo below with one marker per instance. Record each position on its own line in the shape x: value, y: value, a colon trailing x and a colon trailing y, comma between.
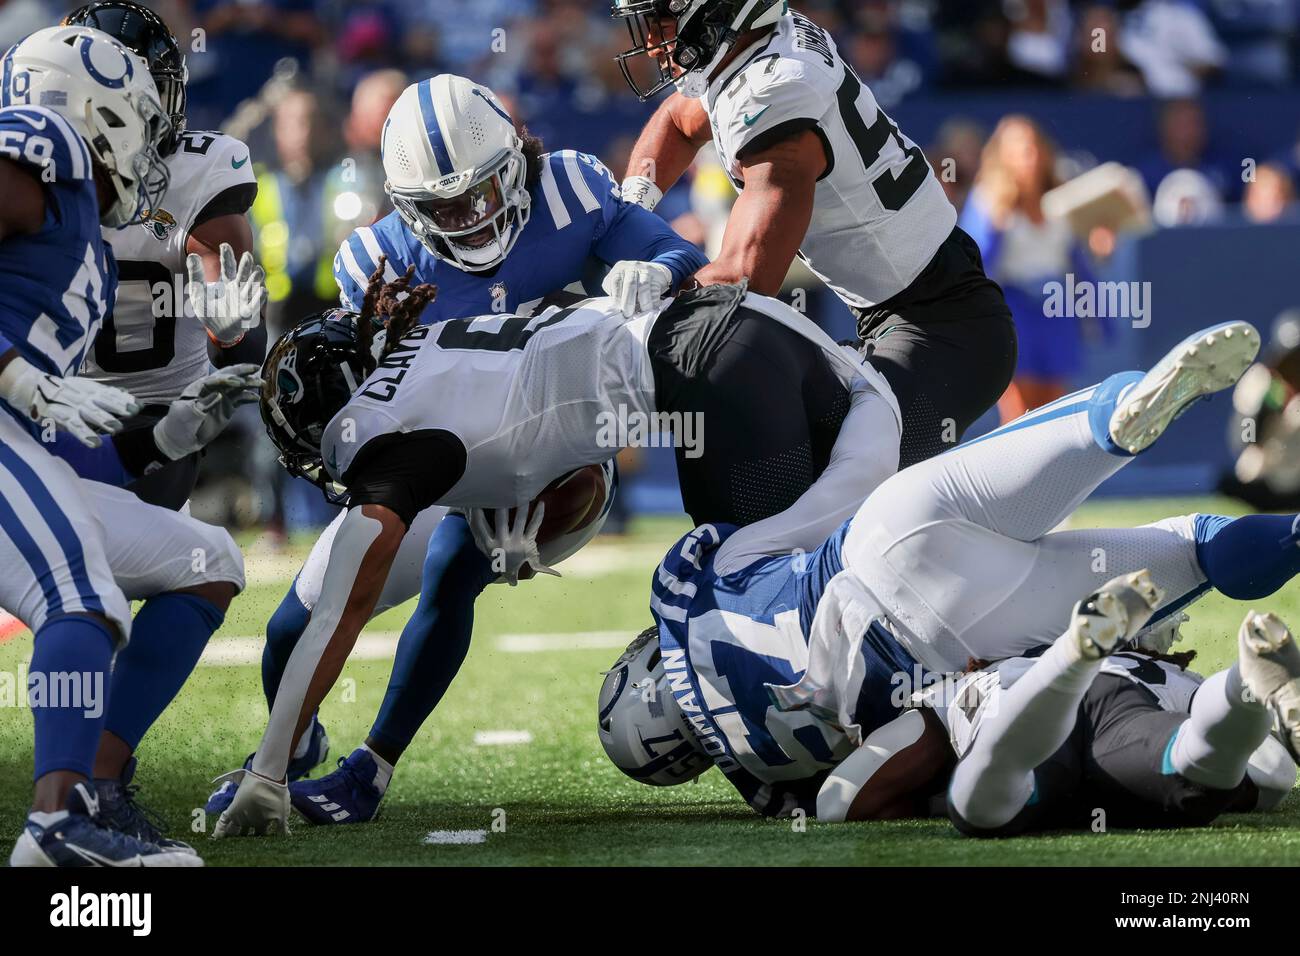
x: 665, y: 149
x: 21, y: 214
x: 891, y: 775
x: 771, y: 216
x: 205, y: 241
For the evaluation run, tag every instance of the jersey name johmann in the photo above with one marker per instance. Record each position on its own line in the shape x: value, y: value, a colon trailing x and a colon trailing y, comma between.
x: 879, y: 213
x: 152, y: 345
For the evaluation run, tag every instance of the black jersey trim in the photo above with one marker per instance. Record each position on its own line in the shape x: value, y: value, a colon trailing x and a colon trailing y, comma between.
x: 405, y: 472
x: 231, y: 201
x: 784, y: 130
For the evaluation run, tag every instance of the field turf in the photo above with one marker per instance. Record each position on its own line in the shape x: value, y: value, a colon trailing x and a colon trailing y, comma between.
x: 555, y: 799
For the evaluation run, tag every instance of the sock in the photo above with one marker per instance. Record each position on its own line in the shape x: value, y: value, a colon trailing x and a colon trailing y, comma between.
x: 1214, y: 745
x: 167, y: 637
x: 1248, y: 558
x: 67, y: 690
x: 1034, y: 717
x: 1102, y: 406
x: 384, y: 774
x: 46, y: 819
x: 435, y: 640
x: 303, y: 743
x: 282, y: 632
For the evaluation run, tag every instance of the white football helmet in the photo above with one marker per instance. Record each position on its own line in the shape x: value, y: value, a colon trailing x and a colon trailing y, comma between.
x: 456, y: 171
x: 107, y: 95
x: 640, y: 725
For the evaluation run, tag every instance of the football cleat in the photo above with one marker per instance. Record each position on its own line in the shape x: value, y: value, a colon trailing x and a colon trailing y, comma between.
x: 1205, y: 363
x: 79, y: 838
x: 118, y: 810
x: 318, y: 748
x: 1113, y: 614
x: 1269, y: 662
x: 348, y: 795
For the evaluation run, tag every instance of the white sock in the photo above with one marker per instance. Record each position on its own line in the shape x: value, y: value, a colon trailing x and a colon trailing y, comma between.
x: 384, y: 772
x: 995, y: 779
x: 1214, y: 744
x: 43, y: 818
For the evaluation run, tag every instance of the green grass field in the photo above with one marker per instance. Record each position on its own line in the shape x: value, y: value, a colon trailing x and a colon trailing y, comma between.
x: 558, y: 799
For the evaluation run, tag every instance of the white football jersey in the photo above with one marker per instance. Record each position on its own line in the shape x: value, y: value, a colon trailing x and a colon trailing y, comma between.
x: 151, y: 343
x: 964, y: 701
x: 879, y: 213
x: 530, y: 397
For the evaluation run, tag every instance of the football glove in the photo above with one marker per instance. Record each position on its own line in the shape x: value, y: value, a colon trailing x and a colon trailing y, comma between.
x: 204, y: 409
x: 260, y: 807
x: 510, y: 544
x: 85, y: 408
x: 637, y: 287
x: 233, y: 304
x: 641, y: 191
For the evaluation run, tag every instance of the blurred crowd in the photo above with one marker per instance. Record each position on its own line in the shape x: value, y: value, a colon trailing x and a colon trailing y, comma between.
x: 308, y: 83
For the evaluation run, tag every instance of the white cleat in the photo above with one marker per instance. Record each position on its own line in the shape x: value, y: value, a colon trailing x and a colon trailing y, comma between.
x: 1113, y: 614
x: 1207, y: 362
x: 1269, y: 661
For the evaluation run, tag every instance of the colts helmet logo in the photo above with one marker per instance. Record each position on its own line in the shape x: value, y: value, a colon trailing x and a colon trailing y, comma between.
x: 113, y: 82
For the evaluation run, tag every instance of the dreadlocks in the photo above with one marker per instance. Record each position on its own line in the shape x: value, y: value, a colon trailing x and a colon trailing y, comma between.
x: 394, y: 306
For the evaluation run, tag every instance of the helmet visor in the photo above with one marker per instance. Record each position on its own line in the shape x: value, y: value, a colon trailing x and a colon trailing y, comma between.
x: 472, y: 209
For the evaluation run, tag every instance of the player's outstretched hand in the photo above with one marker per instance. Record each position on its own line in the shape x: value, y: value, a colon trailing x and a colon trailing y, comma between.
x: 260, y: 808
x: 204, y: 409
x: 510, y: 543
x: 80, y: 406
x: 233, y: 304
x: 637, y: 286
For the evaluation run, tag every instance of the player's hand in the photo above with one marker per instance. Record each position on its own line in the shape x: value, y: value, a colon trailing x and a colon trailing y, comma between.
x: 641, y: 191
x: 511, y: 544
x: 85, y: 408
x: 204, y: 409
x: 637, y: 286
x: 233, y: 304
x: 260, y: 807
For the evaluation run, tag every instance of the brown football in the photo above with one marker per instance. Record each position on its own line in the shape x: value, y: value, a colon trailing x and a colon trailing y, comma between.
x: 572, y: 501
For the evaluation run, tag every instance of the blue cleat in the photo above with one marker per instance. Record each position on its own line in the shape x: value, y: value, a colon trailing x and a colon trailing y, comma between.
x: 348, y: 795
x: 80, y: 838
x: 318, y: 748
x: 119, y: 811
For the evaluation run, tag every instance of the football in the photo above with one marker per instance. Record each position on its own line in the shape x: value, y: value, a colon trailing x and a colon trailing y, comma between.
x: 572, y: 501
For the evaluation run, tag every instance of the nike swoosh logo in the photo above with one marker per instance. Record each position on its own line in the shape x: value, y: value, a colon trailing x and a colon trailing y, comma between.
x: 32, y: 122
x: 236, y: 163
x: 751, y: 120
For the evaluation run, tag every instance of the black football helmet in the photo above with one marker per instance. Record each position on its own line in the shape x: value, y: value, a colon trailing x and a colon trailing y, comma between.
x: 308, y: 376
x: 144, y: 33
x: 690, y: 36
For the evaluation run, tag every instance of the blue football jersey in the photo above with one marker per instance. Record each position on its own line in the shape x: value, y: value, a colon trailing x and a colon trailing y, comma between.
x: 57, y: 284
x: 578, y: 226
x: 724, y: 640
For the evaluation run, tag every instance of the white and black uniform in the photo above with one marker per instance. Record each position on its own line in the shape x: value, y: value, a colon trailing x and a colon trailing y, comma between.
x: 882, y: 236
x: 486, y: 412
x: 151, y: 343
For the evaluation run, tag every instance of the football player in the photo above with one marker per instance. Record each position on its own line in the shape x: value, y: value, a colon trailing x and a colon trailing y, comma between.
x: 82, y: 123
x: 487, y: 412
x: 497, y: 223
x: 777, y: 665
x: 151, y: 344
x: 1084, y: 737
x: 822, y: 173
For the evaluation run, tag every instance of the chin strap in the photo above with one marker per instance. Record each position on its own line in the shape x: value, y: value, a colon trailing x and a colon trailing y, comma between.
x: 695, y: 83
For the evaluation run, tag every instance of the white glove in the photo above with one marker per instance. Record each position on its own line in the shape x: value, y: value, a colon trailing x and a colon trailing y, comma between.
x: 637, y: 287
x: 641, y: 191
x: 260, y: 807
x: 1160, y: 637
x: 81, y: 406
x: 232, y: 305
x: 204, y: 409
x: 512, y: 543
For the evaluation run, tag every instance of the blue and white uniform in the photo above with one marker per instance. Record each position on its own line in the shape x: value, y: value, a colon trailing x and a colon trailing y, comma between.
x: 784, y: 665
x: 579, y: 225
x: 70, y: 545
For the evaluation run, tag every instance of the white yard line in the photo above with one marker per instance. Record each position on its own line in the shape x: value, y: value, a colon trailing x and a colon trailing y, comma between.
x: 381, y: 645
x: 455, y: 837
x: 502, y: 738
